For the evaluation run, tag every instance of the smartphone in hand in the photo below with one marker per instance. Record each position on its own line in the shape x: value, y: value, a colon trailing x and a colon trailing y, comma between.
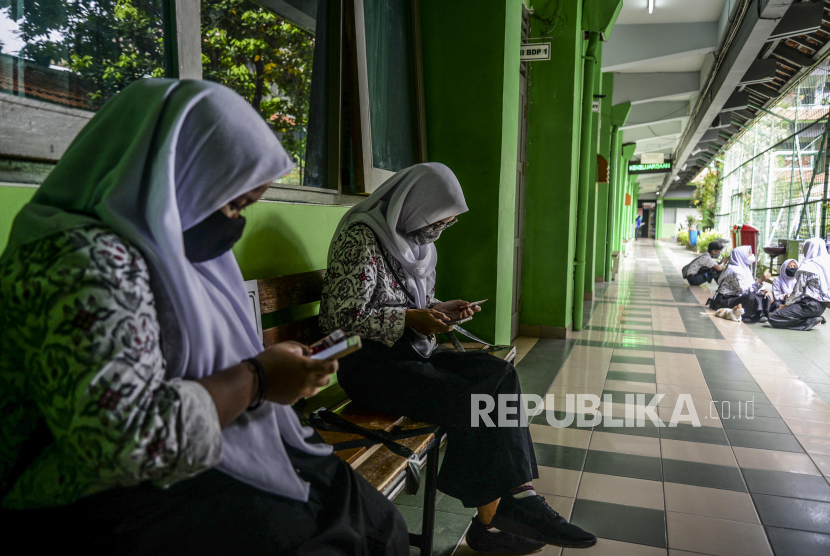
x: 335, y: 346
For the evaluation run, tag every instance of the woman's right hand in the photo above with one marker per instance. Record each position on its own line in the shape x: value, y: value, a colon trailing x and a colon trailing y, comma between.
x: 291, y: 375
x: 427, y: 321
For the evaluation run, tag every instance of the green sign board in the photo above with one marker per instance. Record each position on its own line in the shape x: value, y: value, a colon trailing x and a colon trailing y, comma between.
x: 661, y: 168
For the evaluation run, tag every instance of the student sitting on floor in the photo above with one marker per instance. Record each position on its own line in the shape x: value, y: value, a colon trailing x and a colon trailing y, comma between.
x: 141, y: 414
x: 783, y: 284
x: 811, y: 291
x: 380, y: 284
x: 738, y: 286
x: 705, y: 268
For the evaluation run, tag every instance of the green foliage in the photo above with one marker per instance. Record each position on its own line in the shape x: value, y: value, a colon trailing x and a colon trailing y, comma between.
x: 683, y: 238
x: 263, y: 58
x: 705, y: 238
x: 705, y: 197
x: 109, y: 43
x: 691, y: 220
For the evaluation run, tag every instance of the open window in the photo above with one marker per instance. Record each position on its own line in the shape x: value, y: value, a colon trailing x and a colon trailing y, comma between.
x: 386, y: 83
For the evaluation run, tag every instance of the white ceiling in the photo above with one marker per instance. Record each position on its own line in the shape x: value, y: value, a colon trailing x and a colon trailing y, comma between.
x: 691, y: 63
x: 670, y: 11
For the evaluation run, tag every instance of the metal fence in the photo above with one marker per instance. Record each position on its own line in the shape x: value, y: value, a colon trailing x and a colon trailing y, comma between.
x: 775, y: 174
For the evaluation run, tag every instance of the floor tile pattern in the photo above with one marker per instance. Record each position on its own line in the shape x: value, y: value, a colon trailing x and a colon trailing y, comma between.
x: 751, y: 478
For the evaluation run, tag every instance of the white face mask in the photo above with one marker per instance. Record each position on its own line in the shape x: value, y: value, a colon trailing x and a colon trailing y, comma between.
x: 751, y: 259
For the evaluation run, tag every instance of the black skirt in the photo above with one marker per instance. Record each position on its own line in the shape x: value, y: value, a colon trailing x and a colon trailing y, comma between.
x: 214, y: 513
x: 755, y: 304
x: 797, y: 315
x: 481, y: 463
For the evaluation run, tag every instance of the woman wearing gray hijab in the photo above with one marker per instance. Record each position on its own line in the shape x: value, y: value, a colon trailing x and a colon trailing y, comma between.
x: 810, y: 294
x: 141, y: 414
x: 380, y: 284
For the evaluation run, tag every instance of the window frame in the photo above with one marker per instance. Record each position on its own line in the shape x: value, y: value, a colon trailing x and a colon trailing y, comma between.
x: 367, y: 176
x: 183, y: 59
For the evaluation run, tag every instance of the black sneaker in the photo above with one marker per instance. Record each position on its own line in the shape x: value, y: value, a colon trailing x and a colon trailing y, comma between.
x: 485, y: 541
x: 812, y: 323
x: 531, y: 517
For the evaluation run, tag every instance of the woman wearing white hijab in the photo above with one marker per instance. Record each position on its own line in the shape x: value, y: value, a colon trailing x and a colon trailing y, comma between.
x: 129, y: 352
x: 810, y: 292
x: 737, y: 286
x: 380, y: 284
x: 783, y: 284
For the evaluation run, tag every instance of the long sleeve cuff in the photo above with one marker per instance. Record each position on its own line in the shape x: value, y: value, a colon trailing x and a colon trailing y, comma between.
x: 200, y: 434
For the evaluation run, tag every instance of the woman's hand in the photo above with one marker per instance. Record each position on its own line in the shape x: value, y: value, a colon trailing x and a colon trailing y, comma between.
x: 769, y: 295
x: 291, y: 375
x: 427, y: 321
x: 766, y: 277
x: 457, y: 309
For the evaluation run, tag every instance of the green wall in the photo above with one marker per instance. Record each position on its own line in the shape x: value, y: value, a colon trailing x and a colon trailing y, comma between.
x: 278, y: 237
x: 282, y: 238
x: 12, y: 200
x: 471, y: 82
x: 554, y: 95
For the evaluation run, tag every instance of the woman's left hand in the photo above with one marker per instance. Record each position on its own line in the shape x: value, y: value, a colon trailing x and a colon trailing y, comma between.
x: 457, y: 309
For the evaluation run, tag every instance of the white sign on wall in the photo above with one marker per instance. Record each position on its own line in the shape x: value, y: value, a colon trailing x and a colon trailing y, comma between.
x: 537, y: 51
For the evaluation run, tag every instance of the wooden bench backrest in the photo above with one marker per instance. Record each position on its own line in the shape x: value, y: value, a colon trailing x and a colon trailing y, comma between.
x: 286, y: 292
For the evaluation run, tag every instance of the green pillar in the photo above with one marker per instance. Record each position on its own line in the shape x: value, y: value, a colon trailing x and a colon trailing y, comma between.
x: 658, y: 228
x: 591, y: 256
x: 554, y: 95
x: 602, y: 213
x: 474, y: 93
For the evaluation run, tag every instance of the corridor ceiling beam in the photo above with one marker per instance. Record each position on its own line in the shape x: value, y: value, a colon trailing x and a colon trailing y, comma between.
x: 638, y: 88
x: 760, y: 21
x: 635, y: 45
x: 656, y: 112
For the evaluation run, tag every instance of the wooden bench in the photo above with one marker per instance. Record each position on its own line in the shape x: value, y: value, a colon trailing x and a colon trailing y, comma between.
x: 377, y: 464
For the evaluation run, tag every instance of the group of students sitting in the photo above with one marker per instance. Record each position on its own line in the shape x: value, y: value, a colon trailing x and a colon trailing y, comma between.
x: 141, y: 413
x: 797, y: 299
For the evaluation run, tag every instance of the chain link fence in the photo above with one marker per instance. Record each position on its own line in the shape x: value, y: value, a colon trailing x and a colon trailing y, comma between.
x: 775, y: 174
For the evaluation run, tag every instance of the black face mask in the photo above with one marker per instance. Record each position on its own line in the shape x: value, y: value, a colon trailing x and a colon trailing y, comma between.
x: 790, y: 271
x: 212, y: 237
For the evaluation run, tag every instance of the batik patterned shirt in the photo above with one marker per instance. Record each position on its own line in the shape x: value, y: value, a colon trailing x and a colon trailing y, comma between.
x: 361, y: 295
x: 735, y: 284
x: 80, y: 352
x: 703, y: 261
x: 807, y: 284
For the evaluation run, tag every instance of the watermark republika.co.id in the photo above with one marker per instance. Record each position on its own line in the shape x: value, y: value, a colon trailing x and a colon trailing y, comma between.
x: 588, y: 410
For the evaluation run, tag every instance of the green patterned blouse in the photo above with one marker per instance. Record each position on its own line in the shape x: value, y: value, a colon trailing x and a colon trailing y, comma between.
x: 80, y: 352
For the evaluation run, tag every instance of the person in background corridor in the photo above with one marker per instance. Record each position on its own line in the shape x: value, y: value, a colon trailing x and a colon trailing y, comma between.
x: 811, y: 291
x: 141, y: 414
x: 783, y: 284
x: 380, y: 284
x: 637, y: 224
x: 737, y: 285
x: 705, y: 268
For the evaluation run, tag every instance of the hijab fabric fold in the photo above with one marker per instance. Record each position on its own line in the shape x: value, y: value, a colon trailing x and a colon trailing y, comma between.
x: 157, y: 159
x: 739, y: 264
x: 411, y: 199
x: 817, y: 261
x: 782, y: 282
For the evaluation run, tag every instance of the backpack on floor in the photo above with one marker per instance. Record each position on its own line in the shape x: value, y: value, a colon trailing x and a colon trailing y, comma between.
x: 685, y: 269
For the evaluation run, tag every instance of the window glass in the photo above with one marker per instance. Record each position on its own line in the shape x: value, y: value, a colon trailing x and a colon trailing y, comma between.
x: 669, y: 215
x: 268, y: 61
x: 391, y: 83
x: 78, y: 53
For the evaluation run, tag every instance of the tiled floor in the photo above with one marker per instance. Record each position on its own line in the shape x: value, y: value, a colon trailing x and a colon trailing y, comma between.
x: 751, y: 480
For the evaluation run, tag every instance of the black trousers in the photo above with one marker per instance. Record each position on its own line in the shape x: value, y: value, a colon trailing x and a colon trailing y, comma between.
x: 755, y: 304
x: 795, y: 316
x: 482, y: 463
x: 702, y: 276
x: 213, y: 513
